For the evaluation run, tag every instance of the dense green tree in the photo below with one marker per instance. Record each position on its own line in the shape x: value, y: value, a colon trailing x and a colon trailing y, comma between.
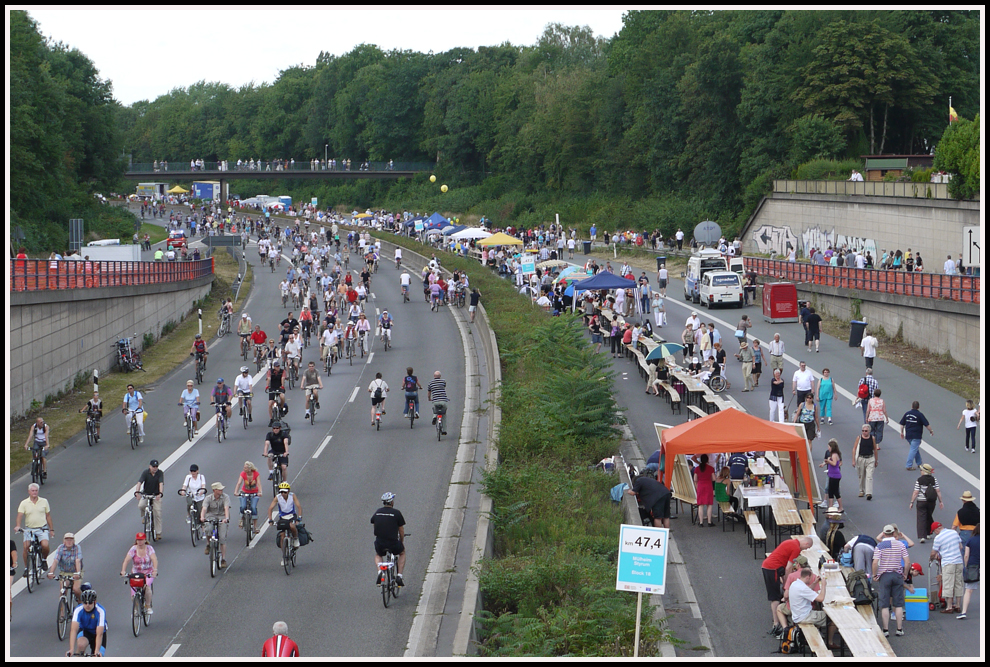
x: 958, y: 153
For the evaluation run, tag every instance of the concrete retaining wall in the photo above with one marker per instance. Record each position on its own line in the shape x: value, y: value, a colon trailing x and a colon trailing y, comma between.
x: 933, y: 324
x: 54, y: 335
x: 935, y: 228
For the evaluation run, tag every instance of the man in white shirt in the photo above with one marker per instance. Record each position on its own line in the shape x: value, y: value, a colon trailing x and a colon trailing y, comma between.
x: 293, y: 352
x: 662, y: 281
x: 570, y: 247
x: 775, y: 349
x: 869, y: 348
x: 802, y: 382
x: 242, y: 389
x: 949, y: 268
x: 694, y: 322
x: 801, y: 596
x: 947, y: 546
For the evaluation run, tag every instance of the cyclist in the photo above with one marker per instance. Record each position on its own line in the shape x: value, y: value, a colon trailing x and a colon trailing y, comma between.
x: 366, y: 276
x: 227, y: 310
x: 363, y: 328
x: 276, y: 391
x: 328, y: 342
x: 221, y: 396
x: 284, y: 289
x: 151, y: 483
x: 244, y: 328
x: 217, y: 506
x: 404, y: 280
x: 295, y: 290
x: 243, y: 386
x: 436, y: 392
x: 398, y: 256
x: 362, y: 293
x: 288, y: 325
x: 67, y: 559
x: 277, y: 443
x: 289, y: 511
x: 306, y: 320
x: 378, y: 389
x: 354, y: 310
x: 94, y: 410
x: 133, y: 405
x: 194, y: 489
x: 411, y: 385
x: 274, y: 258
x: 141, y: 556
x: 89, y: 625
x: 36, y: 514
x: 389, y: 533
x: 199, y: 350
x: 280, y: 646
x: 436, y: 295
x: 189, y: 400
x: 258, y: 338
x: 271, y: 353
x: 293, y: 352
x: 39, y: 432
x: 385, y: 322
x: 310, y: 383
x: 247, y: 485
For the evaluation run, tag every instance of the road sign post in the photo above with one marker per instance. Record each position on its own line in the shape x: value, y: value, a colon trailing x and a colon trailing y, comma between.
x: 642, y: 565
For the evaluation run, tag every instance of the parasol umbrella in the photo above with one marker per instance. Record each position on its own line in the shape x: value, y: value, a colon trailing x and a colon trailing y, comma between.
x: 664, y: 350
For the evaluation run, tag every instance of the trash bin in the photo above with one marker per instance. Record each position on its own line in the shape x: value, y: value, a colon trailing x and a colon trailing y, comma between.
x: 856, y: 331
x: 587, y: 247
x: 661, y: 260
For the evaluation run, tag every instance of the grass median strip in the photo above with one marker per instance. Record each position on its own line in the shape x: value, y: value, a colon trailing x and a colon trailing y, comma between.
x: 168, y: 352
x: 549, y: 589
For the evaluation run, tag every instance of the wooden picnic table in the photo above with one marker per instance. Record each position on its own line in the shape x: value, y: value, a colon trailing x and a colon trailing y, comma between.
x: 758, y: 467
x: 786, y: 517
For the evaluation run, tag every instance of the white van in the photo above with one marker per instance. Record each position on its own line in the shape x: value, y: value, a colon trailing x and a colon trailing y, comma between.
x: 721, y: 288
x: 699, y: 264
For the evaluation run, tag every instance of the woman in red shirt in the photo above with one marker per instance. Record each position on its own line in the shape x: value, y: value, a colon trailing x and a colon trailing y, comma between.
x: 247, y: 484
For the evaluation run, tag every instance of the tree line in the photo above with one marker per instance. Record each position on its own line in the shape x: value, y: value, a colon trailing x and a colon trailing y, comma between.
x: 680, y: 114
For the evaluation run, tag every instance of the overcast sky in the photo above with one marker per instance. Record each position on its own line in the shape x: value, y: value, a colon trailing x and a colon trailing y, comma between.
x: 148, y: 52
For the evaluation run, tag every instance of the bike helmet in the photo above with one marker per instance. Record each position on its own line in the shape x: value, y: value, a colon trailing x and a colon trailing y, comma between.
x: 277, y: 424
x: 199, y: 335
x: 244, y: 369
x: 219, y: 380
x: 85, y: 586
x: 388, y: 497
x: 276, y: 363
x: 88, y: 596
x: 194, y: 468
x: 284, y: 486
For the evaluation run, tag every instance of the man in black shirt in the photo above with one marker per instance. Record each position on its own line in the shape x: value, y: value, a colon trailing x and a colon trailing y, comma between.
x: 653, y: 496
x: 813, y: 321
x: 277, y: 443
x: 288, y: 325
x: 151, y: 483
x: 389, y: 533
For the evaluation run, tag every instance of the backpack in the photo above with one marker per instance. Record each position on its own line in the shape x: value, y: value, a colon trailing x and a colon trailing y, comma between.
x: 792, y: 641
x: 304, y: 535
x: 931, y: 495
x: 378, y: 392
x: 858, y: 585
x: 864, y: 391
x: 410, y: 384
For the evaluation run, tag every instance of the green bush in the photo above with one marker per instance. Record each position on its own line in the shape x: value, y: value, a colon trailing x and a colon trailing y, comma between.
x: 827, y: 170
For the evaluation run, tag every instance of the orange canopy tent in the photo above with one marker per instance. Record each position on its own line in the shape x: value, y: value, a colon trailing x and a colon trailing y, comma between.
x: 730, y: 430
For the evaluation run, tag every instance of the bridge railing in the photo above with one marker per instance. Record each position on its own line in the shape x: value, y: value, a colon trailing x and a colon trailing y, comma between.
x: 273, y: 166
x: 863, y: 188
x: 927, y: 285
x: 31, y: 275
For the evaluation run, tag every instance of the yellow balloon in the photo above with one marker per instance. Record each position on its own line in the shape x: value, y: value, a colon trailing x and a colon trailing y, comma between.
x: 433, y: 179
x: 443, y: 188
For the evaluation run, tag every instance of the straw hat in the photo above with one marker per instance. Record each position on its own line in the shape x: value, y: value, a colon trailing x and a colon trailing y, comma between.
x: 967, y: 497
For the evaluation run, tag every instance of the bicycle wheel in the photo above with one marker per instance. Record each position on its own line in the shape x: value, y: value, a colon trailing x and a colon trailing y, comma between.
x: 244, y: 418
x: 412, y: 413
x: 146, y: 615
x: 287, y: 552
x: 90, y: 433
x: 439, y: 428
x: 190, y: 431
x: 193, y: 526
x: 312, y: 413
x: 213, y: 557
x: 146, y: 524
x: 32, y: 571
x: 248, y: 532
x: 64, y: 616
x: 219, y: 427
x: 136, y: 613
x: 36, y: 470
x: 386, y: 585
x: 717, y: 383
x: 134, y: 435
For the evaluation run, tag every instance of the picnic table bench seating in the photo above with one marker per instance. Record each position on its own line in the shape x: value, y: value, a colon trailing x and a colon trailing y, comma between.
x: 696, y: 411
x: 814, y: 640
x: 756, y: 532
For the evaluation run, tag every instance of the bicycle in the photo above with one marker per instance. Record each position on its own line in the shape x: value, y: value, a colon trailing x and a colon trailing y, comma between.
x: 271, y: 265
x: 247, y: 517
x: 221, y: 421
x: 306, y: 335
x: 195, y: 525
x: 412, y: 411
x: 285, y: 298
x: 386, y: 338
x: 148, y: 517
x: 364, y: 343
x: 284, y: 540
x: 140, y: 613
x: 328, y: 362
x: 292, y: 377
x: 66, y: 604
x: 134, y: 431
x: 190, y: 422
x: 200, y: 368
x: 378, y: 417
x: 244, y: 348
x: 224, y: 328
x: 37, y: 472
x: 398, y: 261
x: 349, y: 350
x: 277, y: 477
x: 33, y: 565
x: 386, y: 578
x: 92, y: 428
x: 441, y: 429
x: 259, y: 357
x: 311, y: 405
x: 246, y: 408
x: 405, y: 293
x: 214, y: 546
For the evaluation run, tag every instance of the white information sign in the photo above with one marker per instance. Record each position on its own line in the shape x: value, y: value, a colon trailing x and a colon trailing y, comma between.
x: 642, y: 563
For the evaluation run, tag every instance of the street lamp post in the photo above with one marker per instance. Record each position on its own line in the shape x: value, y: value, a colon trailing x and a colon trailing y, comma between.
x: 326, y: 147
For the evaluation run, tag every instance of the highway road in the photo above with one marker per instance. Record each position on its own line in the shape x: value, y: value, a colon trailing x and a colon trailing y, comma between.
x: 339, y: 467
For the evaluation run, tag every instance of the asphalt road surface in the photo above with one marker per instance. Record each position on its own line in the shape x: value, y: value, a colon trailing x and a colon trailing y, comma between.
x: 330, y: 602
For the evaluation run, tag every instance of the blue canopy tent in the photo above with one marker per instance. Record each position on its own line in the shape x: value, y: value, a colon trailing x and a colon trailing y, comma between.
x: 453, y: 229
x: 412, y: 221
x: 436, y: 221
x: 601, y: 280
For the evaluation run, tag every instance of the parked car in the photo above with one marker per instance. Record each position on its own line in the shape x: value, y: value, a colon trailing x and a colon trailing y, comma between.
x: 721, y: 288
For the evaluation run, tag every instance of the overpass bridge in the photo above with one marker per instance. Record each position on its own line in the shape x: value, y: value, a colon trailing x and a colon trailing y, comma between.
x: 224, y: 171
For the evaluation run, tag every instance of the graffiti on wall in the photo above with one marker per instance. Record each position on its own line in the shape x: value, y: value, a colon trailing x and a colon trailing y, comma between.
x: 819, y: 238
x: 779, y: 240
x: 774, y: 240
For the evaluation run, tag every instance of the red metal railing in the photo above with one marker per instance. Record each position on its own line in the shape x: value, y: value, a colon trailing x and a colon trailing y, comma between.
x: 30, y: 275
x: 927, y: 285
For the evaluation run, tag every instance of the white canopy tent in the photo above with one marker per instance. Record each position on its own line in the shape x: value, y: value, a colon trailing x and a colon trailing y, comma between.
x: 471, y: 233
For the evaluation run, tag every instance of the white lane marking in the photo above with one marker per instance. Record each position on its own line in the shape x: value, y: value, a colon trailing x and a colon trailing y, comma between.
x: 370, y: 357
x: 171, y: 650
x: 963, y: 474
x: 257, y: 536
x: 326, y: 442
x: 128, y: 496
x: 375, y: 298
x: 377, y: 312
x: 354, y: 394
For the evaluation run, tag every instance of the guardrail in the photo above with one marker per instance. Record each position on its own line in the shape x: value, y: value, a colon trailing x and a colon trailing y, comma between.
x: 864, y: 188
x: 31, y: 275
x: 272, y: 166
x: 927, y: 285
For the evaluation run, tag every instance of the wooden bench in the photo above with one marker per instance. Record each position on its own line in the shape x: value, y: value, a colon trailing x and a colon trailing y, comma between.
x: 756, y: 532
x: 695, y: 410
x: 709, y: 401
x: 814, y: 640
x: 733, y: 402
x: 807, y: 522
x: 673, y: 397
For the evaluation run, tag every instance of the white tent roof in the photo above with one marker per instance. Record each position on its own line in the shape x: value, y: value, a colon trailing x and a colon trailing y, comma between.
x: 471, y: 233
